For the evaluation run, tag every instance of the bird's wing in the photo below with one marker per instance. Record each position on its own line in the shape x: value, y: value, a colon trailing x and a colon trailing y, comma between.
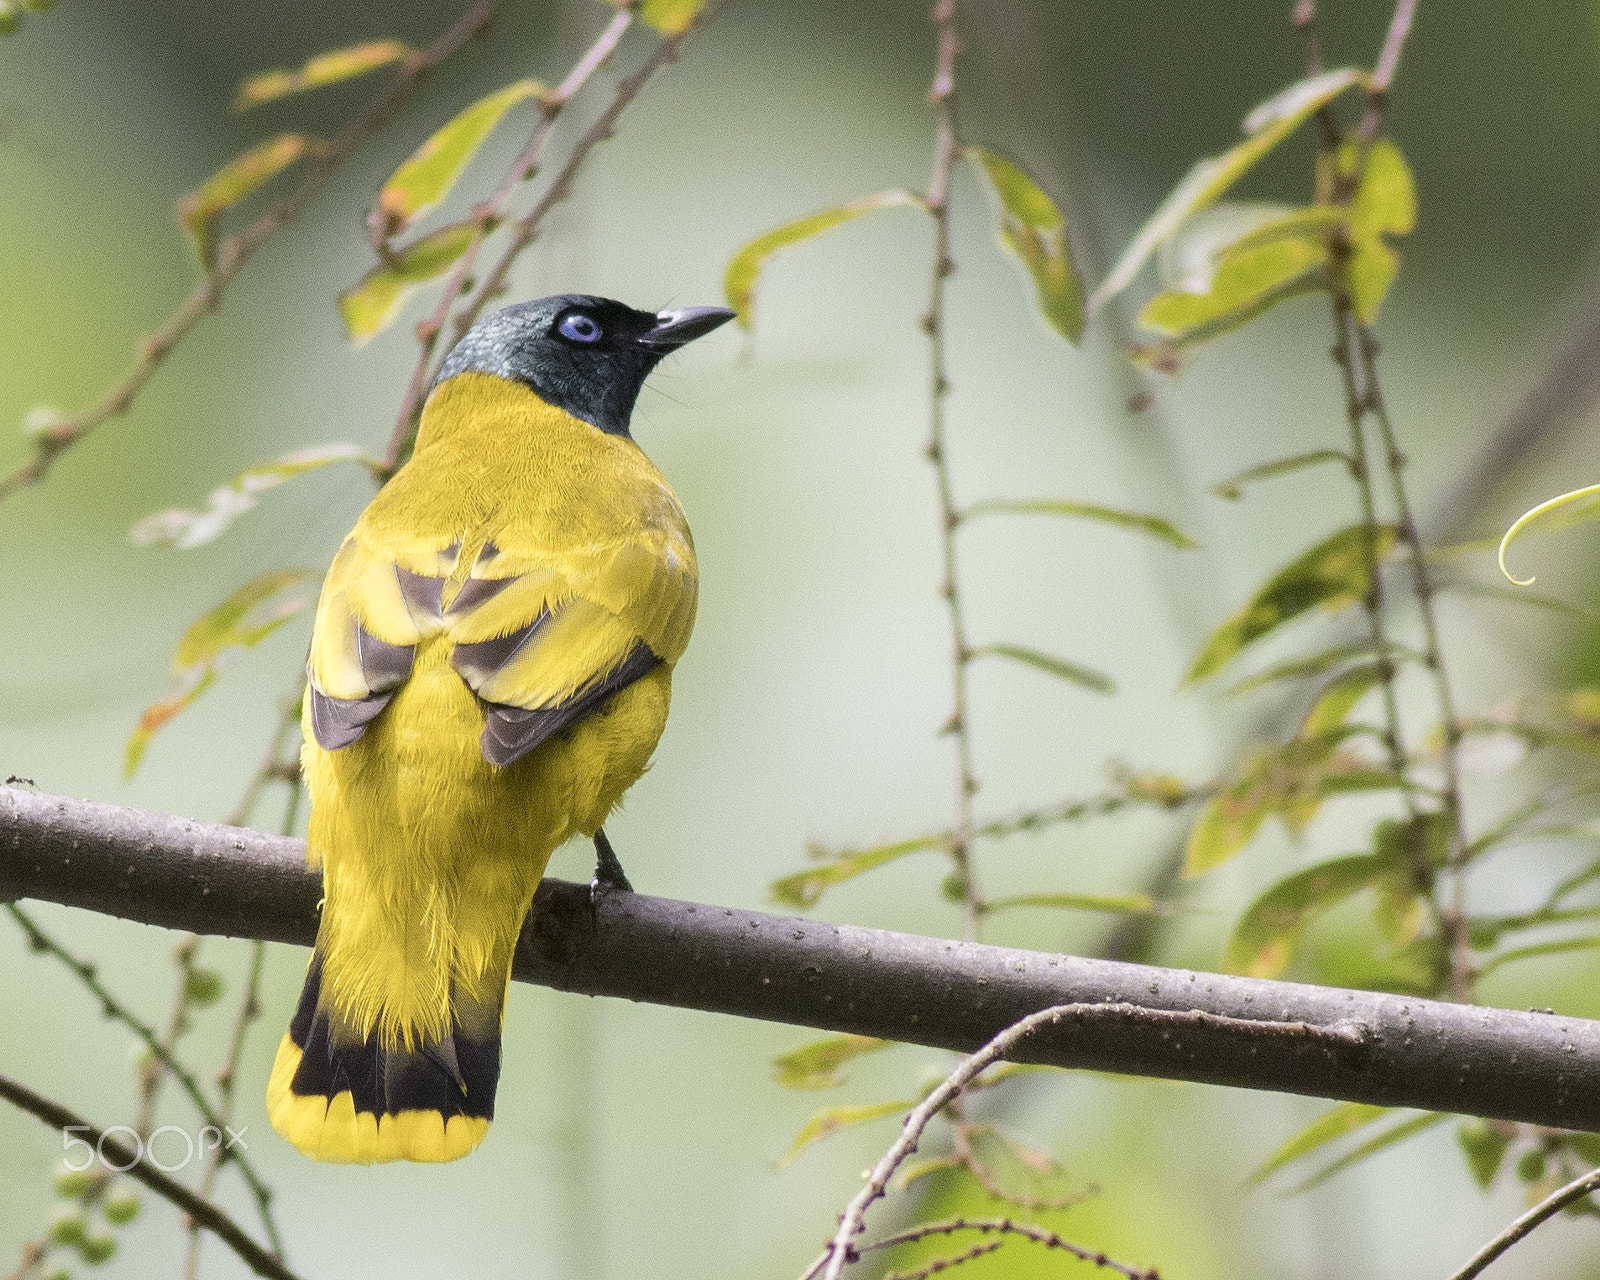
x: 543, y: 637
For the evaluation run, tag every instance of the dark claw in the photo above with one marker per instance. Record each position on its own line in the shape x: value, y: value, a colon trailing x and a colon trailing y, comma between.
x: 609, y: 877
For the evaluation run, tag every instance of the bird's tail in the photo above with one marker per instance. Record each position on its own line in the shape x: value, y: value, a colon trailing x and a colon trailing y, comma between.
x: 342, y: 1096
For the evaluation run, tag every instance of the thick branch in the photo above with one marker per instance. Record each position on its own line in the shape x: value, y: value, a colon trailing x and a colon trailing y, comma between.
x: 1361, y: 1046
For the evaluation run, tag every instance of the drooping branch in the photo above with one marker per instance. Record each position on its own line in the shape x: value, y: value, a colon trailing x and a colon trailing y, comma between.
x: 236, y: 250
x: 1360, y: 1046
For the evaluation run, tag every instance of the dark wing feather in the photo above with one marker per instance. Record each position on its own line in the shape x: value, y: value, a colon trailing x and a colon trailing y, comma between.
x: 509, y: 733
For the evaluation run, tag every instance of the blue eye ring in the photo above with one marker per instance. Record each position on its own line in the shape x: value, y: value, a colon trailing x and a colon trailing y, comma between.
x: 578, y: 327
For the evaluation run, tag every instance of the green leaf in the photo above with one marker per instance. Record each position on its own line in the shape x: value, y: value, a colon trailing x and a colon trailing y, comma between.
x: 1384, y: 205
x: 1117, y: 904
x: 1233, y: 487
x: 1332, y: 575
x: 1345, y: 1118
x: 805, y: 888
x: 324, y: 69
x: 671, y: 17
x: 744, y: 268
x: 1275, y: 262
x: 1486, y: 931
x: 1315, y: 664
x: 914, y: 1169
x: 1033, y: 229
x: 1521, y: 595
x: 1155, y: 526
x: 1189, y: 260
x: 1557, y: 947
x: 1059, y: 667
x: 1400, y: 1132
x: 200, y: 210
x: 1264, y: 938
x: 179, y: 528
x: 426, y: 178
x: 816, y: 1065
x: 1589, y: 512
x: 1484, y: 1144
x: 1268, y: 125
x: 830, y: 1120
x: 372, y: 303
x: 1336, y: 700
x: 243, y: 620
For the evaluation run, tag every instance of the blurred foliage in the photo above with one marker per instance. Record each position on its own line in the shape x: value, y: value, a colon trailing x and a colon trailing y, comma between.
x: 1326, y: 233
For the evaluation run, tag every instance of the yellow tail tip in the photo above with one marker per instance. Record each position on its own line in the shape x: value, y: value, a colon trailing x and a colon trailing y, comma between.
x: 332, y: 1130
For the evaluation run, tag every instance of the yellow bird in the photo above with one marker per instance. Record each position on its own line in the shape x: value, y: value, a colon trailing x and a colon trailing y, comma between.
x: 490, y: 670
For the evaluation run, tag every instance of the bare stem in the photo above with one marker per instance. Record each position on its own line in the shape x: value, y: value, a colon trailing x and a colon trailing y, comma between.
x: 1546, y: 1208
x: 947, y: 148
x: 1005, y: 1226
x: 236, y: 250
x: 842, y: 1250
x: 201, y: 1211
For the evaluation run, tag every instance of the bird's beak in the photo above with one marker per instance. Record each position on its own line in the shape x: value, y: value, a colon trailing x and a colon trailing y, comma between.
x: 684, y: 324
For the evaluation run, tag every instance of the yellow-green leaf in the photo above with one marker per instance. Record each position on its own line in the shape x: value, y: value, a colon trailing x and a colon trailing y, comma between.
x: 426, y: 178
x: 1556, y: 947
x: 1033, y: 229
x: 1332, y: 576
x: 1205, y: 183
x: 1233, y: 487
x: 1084, y: 677
x: 1264, y: 938
x: 242, y: 621
x: 1155, y: 526
x: 1484, y: 1143
x: 671, y: 17
x: 1277, y: 261
x: 1396, y: 1133
x: 1315, y: 664
x: 816, y: 1065
x: 829, y: 1120
x: 1116, y: 904
x: 1345, y: 1118
x: 370, y: 304
x: 179, y: 528
x: 1336, y: 700
x: 199, y: 210
x: 744, y: 268
x: 1384, y: 205
x: 324, y: 69
x: 804, y: 888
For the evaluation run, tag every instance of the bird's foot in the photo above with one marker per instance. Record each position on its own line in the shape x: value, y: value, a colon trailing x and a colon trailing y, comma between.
x: 609, y: 877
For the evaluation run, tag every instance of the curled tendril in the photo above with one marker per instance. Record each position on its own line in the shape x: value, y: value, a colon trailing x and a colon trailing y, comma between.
x: 1528, y: 517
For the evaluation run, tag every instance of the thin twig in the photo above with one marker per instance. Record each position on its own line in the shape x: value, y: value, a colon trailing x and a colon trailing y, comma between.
x: 487, y: 216
x: 841, y: 1250
x: 1546, y: 1208
x: 524, y: 229
x: 159, y: 1048
x: 236, y: 250
x: 274, y: 766
x: 947, y: 147
x: 1005, y: 1226
x: 946, y: 1264
x: 204, y: 1212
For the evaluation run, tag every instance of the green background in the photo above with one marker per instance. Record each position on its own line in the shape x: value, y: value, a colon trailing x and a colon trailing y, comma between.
x: 634, y: 1140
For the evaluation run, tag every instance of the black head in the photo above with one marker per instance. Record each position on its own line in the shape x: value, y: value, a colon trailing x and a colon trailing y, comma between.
x: 583, y: 354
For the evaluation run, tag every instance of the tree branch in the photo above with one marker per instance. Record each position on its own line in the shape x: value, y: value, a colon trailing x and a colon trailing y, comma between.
x: 238, y: 249
x: 135, y: 1166
x: 1359, y: 1046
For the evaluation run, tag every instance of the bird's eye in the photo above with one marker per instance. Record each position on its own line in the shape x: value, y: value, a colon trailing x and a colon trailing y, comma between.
x: 579, y: 328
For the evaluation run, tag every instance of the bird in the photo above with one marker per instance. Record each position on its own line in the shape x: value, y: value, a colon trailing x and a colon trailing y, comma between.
x: 490, y: 669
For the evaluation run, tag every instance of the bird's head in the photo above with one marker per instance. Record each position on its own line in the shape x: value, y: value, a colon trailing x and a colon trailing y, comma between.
x: 584, y: 354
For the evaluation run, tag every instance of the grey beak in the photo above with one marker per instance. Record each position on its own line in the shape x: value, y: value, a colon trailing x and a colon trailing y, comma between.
x: 684, y: 324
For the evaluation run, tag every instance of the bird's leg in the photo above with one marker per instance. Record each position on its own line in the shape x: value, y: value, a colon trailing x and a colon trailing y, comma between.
x: 609, y: 877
